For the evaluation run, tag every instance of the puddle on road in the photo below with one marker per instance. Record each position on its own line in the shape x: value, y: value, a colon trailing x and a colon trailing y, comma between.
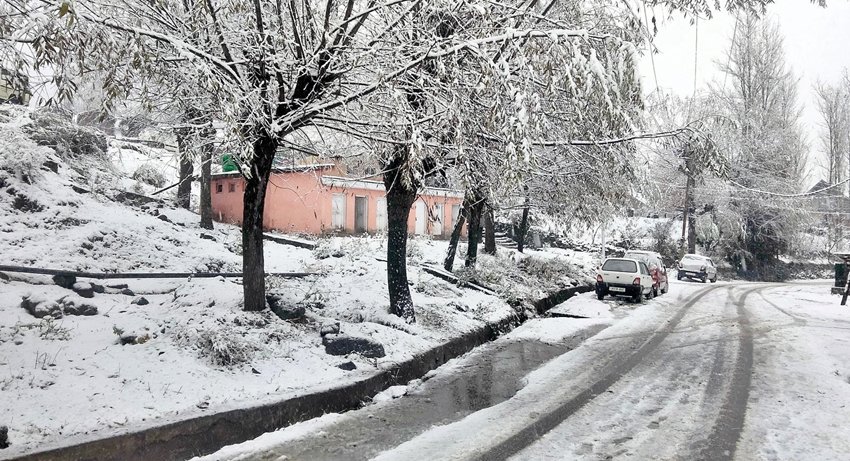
x: 485, y: 377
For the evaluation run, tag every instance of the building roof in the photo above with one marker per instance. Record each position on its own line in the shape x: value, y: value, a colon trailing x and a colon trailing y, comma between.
x: 284, y: 169
x: 819, y: 188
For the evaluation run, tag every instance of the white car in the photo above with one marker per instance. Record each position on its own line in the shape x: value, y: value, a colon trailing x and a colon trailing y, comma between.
x: 656, y: 269
x: 624, y: 277
x: 697, y: 267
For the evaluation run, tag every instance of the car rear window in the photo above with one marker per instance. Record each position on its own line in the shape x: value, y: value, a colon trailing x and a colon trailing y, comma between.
x: 693, y: 258
x: 619, y: 265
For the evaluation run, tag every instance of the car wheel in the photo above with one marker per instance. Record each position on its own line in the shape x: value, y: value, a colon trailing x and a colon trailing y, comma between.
x: 713, y: 280
x: 638, y: 298
x: 704, y: 279
x: 678, y: 276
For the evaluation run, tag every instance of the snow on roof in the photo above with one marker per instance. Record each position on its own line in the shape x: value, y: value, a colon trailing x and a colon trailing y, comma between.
x: 354, y: 183
x: 285, y: 169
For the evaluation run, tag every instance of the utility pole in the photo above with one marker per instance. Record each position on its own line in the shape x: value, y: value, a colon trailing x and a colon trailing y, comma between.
x: 602, y: 253
x: 688, y: 220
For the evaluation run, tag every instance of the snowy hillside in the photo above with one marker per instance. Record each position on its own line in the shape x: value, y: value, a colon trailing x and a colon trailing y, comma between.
x: 132, y: 352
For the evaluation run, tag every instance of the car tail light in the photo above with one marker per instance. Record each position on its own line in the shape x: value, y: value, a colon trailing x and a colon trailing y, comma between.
x: 636, y: 281
x: 599, y: 278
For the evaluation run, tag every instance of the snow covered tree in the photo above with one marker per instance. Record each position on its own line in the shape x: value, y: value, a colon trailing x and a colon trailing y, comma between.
x: 765, y: 147
x: 832, y: 105
x: 397, y: 73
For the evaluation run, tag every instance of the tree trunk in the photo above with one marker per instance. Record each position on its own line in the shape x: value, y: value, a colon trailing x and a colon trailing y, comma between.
x: 399, y: 200
x: 489, y: 231
x: 184, y: 188
x: 523, y: 226
x: 692, y: 233
x: 449, y: 262
x: 206, y: 178
x: 476, y: 209
x: 253, y: 262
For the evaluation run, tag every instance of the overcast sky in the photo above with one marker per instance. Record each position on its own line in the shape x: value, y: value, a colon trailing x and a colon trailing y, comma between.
x: 817, y: 44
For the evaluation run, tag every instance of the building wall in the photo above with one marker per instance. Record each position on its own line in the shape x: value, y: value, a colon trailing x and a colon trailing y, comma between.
x: 298, y: 202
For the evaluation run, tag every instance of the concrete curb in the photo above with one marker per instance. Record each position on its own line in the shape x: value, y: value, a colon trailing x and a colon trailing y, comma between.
x: 205, y: 434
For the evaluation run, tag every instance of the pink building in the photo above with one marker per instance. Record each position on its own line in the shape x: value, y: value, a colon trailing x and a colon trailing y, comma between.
x: 317, y: 199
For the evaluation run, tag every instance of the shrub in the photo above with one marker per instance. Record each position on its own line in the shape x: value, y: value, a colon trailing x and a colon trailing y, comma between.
x: 414, y: 251
x: 224, y: 347
x: 70, y: 141
x: 19, y: 155
x: 325, y: 249
x: 149, y: 175
x: 663, y: 243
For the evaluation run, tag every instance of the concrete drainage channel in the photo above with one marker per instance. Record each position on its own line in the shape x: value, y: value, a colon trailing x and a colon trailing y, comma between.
x: 206, y: 434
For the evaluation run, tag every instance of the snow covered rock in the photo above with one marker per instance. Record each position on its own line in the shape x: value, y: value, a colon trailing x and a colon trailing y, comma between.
x: 140, y: 301
x: 329, y: 329
x: 65, y: 281
x: 38, y: 306
x: 83, y: 289
x: 347, y: 366
x: 75, y: 305
x: 284, y: 309
x: 130, y: 337
x: 338, y: 344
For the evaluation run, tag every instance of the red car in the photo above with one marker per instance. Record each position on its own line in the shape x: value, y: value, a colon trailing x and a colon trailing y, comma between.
x: 656, y: 269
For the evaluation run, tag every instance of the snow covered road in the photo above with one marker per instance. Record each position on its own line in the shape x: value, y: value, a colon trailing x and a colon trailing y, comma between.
x: 725, y: 371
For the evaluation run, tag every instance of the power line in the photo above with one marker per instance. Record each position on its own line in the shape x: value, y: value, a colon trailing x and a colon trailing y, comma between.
x: 801, y: 195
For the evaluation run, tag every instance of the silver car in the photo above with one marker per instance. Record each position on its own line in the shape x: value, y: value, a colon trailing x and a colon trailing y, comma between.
x: 697, y: 267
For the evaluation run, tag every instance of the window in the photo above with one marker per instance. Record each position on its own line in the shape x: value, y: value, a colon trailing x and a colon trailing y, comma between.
x: 218, y: 188
x: 619, y: 265
x: 231, y: 187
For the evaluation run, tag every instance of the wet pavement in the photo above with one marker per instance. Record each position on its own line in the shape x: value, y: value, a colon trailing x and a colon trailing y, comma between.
x: 483, y: 378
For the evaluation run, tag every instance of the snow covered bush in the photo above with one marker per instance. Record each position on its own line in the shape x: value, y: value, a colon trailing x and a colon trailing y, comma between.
x: 551, y: 270
x: 414, y: 252
x: 708, y: 234
x: 20, y: 155
x: 663, y: 243
x: 222, y: 345
x: 148, y: 174
x: 325, y: 248
x: 70, y: 141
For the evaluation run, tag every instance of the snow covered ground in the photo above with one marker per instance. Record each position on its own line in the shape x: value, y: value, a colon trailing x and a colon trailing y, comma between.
x: 194, y: 350
x: 743, y: 370
x: 389, y: 404
x: 668, y: 393
x: 586, y: 305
